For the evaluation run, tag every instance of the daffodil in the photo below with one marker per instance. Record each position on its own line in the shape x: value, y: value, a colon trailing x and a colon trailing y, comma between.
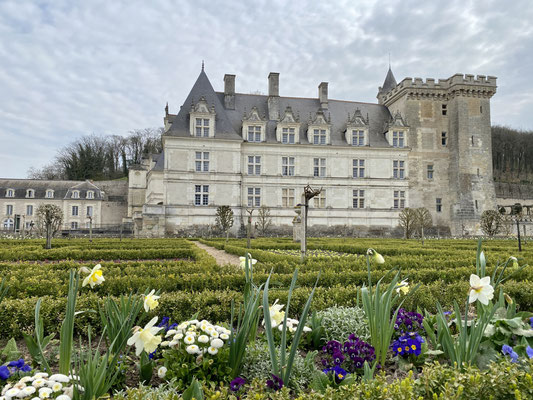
x: 150, y: 301
x: 402, y: 287
x: 95, y: 277
x: 480, y: 289
x: 515, y: 261
x: 251, y: 261
x: 276, y: 315
x: 378, y: 258
x: 145, y: 338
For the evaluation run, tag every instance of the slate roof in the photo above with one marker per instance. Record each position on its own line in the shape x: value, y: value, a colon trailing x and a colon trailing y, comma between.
x: 229, y: 122
x: 389, y: 83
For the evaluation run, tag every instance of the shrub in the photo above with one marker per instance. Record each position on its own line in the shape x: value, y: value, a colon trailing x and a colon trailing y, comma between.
x: 340, y: 322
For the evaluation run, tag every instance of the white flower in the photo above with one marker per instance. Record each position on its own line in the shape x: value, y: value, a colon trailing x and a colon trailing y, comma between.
x: 214, y: 334
x: 172, y: 343
x: 192, y: 349
x: 378, y: 258
x: 203, y: 339
x: 165, y: 343
x: 25, y: 379
x: 480, y: 289
x: 56, y: 387
x: 63, y: 397
x: 6, y: 388
x: 19, y: 385
x: 224, y: 336
x: 39, y: 382
x: 27, y: 391
x: 60, y: 378
x: 402, y: 287
x: 45, y: 392
x: 307, y: 329
x: 171, y: 332
x: 161, y: 372
x: 145, y: 339
x: 179, y: 336
x: 69, y: 391
x: 150, y: 301
x: 251, y: 261
x: 40, y: 375
x: 217, y: 343
x: 276, y: 315
x: 515, y: 261
x: 212, y: 350
x: 96, y: 277
x: 12, y: 392
x: 189, y: 339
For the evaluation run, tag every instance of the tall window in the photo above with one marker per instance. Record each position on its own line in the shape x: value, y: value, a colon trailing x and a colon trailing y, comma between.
x: 319, y: 167
x: 30, y: 193
x: 49, y: 194
x: 287, y: 135
x: 287, y: 166
x: 430, y: 171
x: 443, y: 138
x: 202, y: 127
x: 439, y: 204
x: 398, y: 139
x: 358, y: 198
x: 287, y: 197
x: 399, y: 199
x: 74, y: 225
x: 254, y: 133
x: 358, y: 138
x: 29, y: 210
x: 201, y: 195
x: 202, y: 161
x: 254, y: 165
x: 90, y: 194
x: 319, y: 136
x: 398, y: 169
x: 75, y: 211
x: 320, y: 200
x: 254, y: 197
x: 8, y: 223
x: 75, y: 194
x: 444, y: 109
x: 89, y: 211
x: 9, y: 209
x: 10, y: 193
x: 358, y: 168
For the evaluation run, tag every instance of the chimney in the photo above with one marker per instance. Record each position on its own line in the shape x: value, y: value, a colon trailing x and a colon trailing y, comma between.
x: 323, y: 95
x: 273, y: 96
x: 229, y: 92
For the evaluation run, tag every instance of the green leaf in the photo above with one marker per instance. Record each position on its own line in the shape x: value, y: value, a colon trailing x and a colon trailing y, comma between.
x: 194, y: 391
x: 10, y: 352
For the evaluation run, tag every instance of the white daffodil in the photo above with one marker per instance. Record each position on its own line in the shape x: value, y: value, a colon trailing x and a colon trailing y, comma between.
x: 480, y: 289
x: 96, y: 277
x: 515, y: 261
x: 145, y: 338
x: 161, y: 372
x: 378, y: 258
x: 217, y: 343
x: 276, y: 315
x: 150, y: 301
x: 192, y: 349
x: 212, y: 350
x: 402, y: 287
x: 251, y: 261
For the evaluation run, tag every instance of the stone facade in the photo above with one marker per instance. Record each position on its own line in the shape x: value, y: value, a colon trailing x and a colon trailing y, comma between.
x: 425, y: 144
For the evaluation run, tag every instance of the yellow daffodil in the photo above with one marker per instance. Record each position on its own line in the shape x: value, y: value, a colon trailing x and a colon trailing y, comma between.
x: 515, y: 261
x: 480, y: 289
x: 95, y: 277
x: 150, y: 301
x: 276, y: 315
x: 145, y: 338
x: 378, y: 258
x: 402, y: 287
x: 251, y: 261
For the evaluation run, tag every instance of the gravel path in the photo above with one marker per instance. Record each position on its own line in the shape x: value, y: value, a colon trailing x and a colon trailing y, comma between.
x: 220, y: 256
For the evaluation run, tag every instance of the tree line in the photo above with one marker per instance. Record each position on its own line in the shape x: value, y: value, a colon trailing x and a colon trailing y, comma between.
x: 101, y: 157
x: 512, y: 155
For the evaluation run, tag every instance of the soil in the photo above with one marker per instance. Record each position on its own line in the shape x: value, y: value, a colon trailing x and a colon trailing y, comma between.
x: 222, y: 258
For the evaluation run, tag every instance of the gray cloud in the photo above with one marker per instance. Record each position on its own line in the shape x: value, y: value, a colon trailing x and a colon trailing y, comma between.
x: 73, y: 68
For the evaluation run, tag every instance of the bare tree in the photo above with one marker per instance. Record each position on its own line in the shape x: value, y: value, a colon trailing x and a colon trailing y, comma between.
x: 224, y: 219
x: 407, y: 221
x: 491, y: 221
x: 264, y: 220
x: 423, y: 221
x: 49, y: 220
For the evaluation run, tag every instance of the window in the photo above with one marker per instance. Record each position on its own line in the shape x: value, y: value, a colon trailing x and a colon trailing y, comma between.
x: 254, y: 197
x: 9, y: 209
x: 319, y: 136
x: 254, y: 133
x: 358, y: 168
x: 75, y: 211
x: 201, y: 195
x: 202, y: 127
x: 476, y: 205
x: 472, y: 139
x: 358, y: 138
x: 320, y: 200
x: 10, y: 193
x: 398, y: 169
x: 8, y: 223
x: 398, y: 139
x: 49, y: 194
x: 319, y: 167
x: 202, y: 161
x: 358, y: 198
x: 30, y: 193
x: 443, y: 138
x: 439, y: 204
x: 399, y: 199
x: 288, y: 135
x: 90, y: 194
x: 430, y: 171
x: 444, y: 109
x: 75, y: 194
x: 88, y: 224
x: 254, y: 165
x: 287, y: 197
x: 29, y: 210
x: 74, y: 225
x: 287, y: 166
x: 89, y: 211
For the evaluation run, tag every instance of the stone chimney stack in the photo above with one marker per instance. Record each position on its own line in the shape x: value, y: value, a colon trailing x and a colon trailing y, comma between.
x: 273, y: 96
x: 229, y: 92
x: 323, y: 95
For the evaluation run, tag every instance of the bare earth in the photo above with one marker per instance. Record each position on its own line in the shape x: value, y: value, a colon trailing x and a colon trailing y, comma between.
x: 220, y: 256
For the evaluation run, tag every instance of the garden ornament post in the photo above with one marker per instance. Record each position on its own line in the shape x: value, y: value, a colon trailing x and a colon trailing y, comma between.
x: 307, y: 195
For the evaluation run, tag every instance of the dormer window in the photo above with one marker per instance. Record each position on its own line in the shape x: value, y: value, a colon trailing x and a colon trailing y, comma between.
x: 30, y: 193
x: 398, y: 139
x: 75, y: 194
x: 357, y: 129
x: 254, y: 133
x: 254, y: 126
x: 319, y: 136
x: 397, y: 131
x: 90, y: 194
x: 202, y: 119
x: 49, y: 194
x: 10, y: 193
x: 288, y: 136
x: 288, y: 129
x: 358, y: 137
x: 318, y: 129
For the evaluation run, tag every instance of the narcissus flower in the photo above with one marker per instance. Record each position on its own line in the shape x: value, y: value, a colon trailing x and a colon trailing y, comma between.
x: 276, y: 315
x: 378, y: 258
x: 480, y: 289
x: 145, y: 338
x: 150, y: 301
x: 251, y: 261
x: 514, y: 260
x: 95, y: 277
x: 402, y: 287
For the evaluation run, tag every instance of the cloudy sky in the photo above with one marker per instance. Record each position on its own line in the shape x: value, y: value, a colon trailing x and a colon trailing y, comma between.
x: 70, y: 68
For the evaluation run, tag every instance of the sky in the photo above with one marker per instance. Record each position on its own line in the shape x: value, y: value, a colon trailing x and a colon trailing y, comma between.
x: 70, y: 68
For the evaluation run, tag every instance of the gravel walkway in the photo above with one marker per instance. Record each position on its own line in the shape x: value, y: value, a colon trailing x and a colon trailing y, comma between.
x: 220, y: 256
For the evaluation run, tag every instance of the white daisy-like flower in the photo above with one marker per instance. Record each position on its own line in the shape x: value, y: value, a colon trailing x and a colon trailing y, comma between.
x: 6, y: 388
x: 40, y: 375
x: 217, y: 343
x: 60, y: 378
x: 224, y: 336
x: 28, y: 391
x: 480, y: 289
x: 203, y: 339
x: 19, y: 385
x: 69, y: 391
x: 161, y: 372
x: 171, y: 332
x: 212, y: 350
x: 192, y: 349
x: 178, y: 336
x: 182, y: 326
x: 56, y: 387
x: 74, y: 377
x: 193, y: 321
x: 44, y: 393
x: 12, y: 392
x: 189, y: 339
x: 214, y: 334
x: 26, y: 379
x: 173, y: 343
x: 164, y: 343
x: 63, y: 397
x: 39, y: 382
